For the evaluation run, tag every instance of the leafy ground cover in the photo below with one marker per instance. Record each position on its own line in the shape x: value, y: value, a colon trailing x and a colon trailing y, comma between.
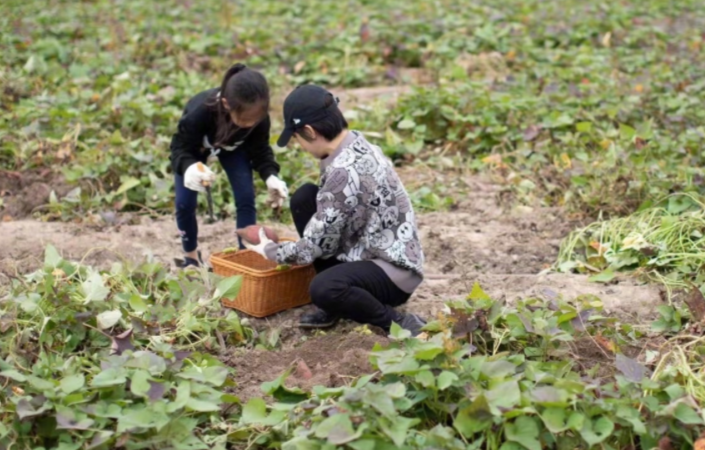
x: 591, y: 105
x: 594, y: 108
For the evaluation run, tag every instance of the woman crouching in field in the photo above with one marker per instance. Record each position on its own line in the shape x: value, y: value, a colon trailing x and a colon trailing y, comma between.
x: 357, y: 228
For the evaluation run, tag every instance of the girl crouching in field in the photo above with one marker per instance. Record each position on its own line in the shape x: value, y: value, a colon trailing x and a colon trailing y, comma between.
x: 357, y: 228
x: 232, y: 123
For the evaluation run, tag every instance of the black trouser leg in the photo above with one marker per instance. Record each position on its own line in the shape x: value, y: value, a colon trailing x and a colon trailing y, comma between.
x: 359, y: 291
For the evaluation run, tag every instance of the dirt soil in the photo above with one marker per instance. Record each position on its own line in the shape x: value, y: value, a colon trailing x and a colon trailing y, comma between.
x: 329, y: 360
x: 23, y: 193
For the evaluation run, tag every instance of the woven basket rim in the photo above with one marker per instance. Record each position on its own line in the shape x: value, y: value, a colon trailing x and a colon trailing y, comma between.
x: 217, y: 258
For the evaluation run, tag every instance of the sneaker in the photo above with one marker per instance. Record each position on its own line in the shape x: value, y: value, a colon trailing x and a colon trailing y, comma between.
x: 318, y: 319
x: 189, y: 262
x: 411, y: 322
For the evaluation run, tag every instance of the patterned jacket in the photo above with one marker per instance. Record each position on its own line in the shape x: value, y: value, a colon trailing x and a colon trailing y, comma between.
x: 363, y: 213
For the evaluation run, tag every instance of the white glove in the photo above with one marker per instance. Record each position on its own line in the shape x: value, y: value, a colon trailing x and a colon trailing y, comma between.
x: 198, y: 176
x: 278, y: 191
x: 258, y: 248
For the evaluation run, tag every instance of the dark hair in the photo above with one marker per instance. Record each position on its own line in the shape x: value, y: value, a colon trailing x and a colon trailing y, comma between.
x: 329, y: 127
x: 243, y: 89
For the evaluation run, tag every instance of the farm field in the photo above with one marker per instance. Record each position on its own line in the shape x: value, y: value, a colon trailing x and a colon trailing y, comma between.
x: 553, y: 155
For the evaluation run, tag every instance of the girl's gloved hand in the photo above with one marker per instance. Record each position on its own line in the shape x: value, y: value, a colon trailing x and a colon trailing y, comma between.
x: 198, y: 176
x: 278, y: 192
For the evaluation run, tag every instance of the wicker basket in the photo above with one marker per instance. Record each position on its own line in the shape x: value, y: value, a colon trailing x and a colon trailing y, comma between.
x: 265, y: 290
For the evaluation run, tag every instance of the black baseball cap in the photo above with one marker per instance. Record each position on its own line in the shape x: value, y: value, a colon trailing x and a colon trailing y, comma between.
x: 303, y: 106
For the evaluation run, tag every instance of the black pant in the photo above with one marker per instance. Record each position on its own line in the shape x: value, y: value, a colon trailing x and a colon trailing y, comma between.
x: 359, y: 291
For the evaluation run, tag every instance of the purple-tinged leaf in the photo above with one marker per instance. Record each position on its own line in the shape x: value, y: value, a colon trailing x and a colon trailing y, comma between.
x: 632, y: 370
x: 121, y: 343
x: 64, y: 422
x: 581, y: 319
x: 156, y: 391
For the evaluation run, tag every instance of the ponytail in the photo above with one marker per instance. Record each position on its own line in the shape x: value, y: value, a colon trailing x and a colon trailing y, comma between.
x: 242, y: 88
x: 233, y: 70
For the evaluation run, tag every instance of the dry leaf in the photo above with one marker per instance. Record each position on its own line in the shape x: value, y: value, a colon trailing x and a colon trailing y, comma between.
x: 601, y: 249
x: 665, y: 443
x: 531, y: 132
x: 606, y: 39
x: 605, y: 343
x: 511, y: 55
x: 493, y: 159
x: 7, y: 218
x: 58, y: 273
x: 696, y: 304
x: 299, y: 66
x: 302, y: 371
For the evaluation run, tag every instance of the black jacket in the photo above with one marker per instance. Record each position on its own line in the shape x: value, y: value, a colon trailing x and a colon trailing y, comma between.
x: 199, y: 120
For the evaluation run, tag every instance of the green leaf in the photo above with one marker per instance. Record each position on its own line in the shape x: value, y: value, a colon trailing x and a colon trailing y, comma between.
x: 504, y: 395
x: 474, y: 417
x: 72, y: 383
x: 547, y: 396
x: 406, y: 124
x: 398, y: 429
x: 200, y: 405
x: 675, y: 391
x: 524, y: 431
x: 632, y: 416
x: 108, y: 319
x: 183, y: 394
x: 498, y: 369
x: 445, y: 379
x: 398, y: 333
x: 40, y: 384
x: 109, y: 377
x: 51, y: 256
x: 13, y: 375
x: 595, y: 432
x: 216, y: 375
x: 477, y: 293
x: 427, y: 351
x: 554, y: 419
x: 576, y: 421
x: 139, y: 383
x: 280, y: 392
x: 137, y: 304
x: 255, y: 411
x: 605, y: 276
x: 583, y: 127
x: 337, y: 430
x: 362, y: 444
x: 687, y: 415
x: 228, y: 287
x: 127, y: 185
x: 626, y: 132
x: 425, y: 378
x: 93, y: 288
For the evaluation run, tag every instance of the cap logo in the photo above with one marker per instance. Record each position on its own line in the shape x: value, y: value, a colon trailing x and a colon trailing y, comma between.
x: 297, y: 121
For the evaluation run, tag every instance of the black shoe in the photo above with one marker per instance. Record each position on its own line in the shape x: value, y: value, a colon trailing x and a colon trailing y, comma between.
x: 318, y: 319
x: 411, y: 322
x: 189, y: 262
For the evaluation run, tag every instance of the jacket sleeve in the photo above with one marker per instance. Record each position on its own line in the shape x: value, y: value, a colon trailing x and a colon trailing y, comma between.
x: 260, y: 151
x: 322, y: 235
x: 187, y: 142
